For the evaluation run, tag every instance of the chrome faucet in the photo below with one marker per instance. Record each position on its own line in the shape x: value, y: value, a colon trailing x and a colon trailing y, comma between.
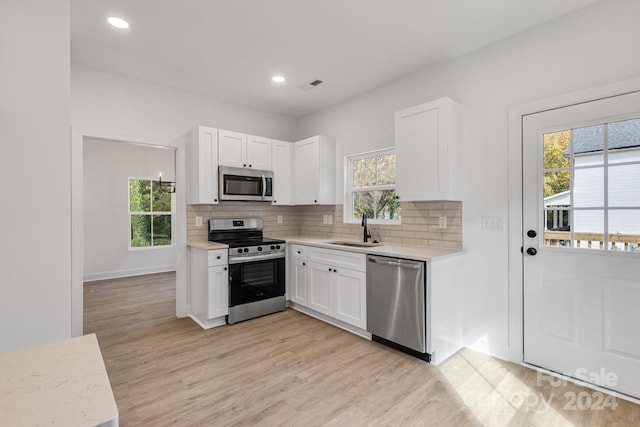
x: 366, y: 234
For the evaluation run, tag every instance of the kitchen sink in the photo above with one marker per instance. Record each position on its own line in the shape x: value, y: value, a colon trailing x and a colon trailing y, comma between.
x: 352, y: 244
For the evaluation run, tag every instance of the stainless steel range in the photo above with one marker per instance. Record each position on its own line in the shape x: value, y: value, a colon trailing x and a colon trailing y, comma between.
x: 256, y: 268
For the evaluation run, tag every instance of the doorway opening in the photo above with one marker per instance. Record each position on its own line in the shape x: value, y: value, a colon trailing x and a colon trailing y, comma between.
x: 135, y: 259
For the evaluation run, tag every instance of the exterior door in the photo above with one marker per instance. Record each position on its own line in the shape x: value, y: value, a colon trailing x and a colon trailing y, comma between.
x: 581, y: 225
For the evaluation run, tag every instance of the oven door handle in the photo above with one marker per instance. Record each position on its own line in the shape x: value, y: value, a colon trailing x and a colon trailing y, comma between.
x: 240, y: 260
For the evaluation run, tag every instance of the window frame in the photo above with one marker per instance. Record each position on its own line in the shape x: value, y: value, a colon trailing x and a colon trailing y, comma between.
x: 150, y: 213
x: 349, y: 192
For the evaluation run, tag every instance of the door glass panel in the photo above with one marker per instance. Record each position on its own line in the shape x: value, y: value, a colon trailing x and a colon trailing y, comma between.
x: 588, y: 145
x: 576, y: 163
x: 624, y: 140
x: 624, y: 229
x: 624, y: 185
x: 556, y: 149
x: 588, y: 189
x: 588, y: 229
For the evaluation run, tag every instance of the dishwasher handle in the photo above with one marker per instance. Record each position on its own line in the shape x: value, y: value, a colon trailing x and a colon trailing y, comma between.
x: 414, y: 265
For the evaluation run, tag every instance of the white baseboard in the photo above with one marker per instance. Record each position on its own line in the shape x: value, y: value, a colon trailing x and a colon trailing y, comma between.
x: 127, y: 273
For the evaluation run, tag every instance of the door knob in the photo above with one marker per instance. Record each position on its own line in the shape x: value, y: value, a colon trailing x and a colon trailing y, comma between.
x: 532, y: 233
x: 532, y: 251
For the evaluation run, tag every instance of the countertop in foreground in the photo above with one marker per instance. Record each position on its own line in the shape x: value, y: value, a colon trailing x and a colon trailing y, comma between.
x: 64, y: 383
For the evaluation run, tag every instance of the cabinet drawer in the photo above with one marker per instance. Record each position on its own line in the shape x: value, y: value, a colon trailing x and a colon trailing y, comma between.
x: 298, y: 252
x: 218, y: 257
x: 337, y: 258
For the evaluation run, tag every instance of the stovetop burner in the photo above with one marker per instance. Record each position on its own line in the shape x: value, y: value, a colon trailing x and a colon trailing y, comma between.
x: 265, y: 241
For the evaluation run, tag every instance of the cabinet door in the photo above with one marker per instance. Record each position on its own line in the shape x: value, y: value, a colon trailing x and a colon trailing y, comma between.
x: 203, y: 166
x: 258, y: 153
x: 218, y: 292
x: 306, y: 166
x: 281, y: 161
x: 232, y: 149
x: 320, y: 286
x: 427, y: 144
x: 350, y: 298
x: 298, y: 282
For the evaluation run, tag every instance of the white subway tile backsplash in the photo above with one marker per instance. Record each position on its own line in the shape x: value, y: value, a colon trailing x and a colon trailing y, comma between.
x: 419, y: 222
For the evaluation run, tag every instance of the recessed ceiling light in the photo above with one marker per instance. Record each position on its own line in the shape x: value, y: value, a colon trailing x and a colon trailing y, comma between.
x: 118, y: 22
x: 278, y: 79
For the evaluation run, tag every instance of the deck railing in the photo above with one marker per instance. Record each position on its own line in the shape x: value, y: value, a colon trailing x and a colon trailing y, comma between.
x: 622, y: 242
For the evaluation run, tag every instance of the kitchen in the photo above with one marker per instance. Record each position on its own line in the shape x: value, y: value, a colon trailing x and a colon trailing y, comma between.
x: 487, y: 82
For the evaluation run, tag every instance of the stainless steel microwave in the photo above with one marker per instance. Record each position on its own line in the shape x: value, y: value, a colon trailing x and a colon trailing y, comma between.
x: 245, y: 184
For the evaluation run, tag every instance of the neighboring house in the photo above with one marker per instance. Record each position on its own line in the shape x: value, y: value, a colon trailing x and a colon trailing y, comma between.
x: 621, y: 163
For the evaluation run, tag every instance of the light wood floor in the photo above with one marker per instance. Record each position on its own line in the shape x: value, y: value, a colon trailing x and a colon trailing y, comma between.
x: 290, y: 369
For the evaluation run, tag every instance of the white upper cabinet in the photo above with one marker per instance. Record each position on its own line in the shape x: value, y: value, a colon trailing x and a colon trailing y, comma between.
x: 281, y: 161
x: 314, y: 165
x: 428, y: 138
x: 244, y: 151
x: 259, y: 153
x: 232, y: 148
x: 202, y: 155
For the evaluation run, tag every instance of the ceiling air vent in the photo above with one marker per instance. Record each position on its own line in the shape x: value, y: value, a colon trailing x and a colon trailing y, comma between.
x: 310, y: 85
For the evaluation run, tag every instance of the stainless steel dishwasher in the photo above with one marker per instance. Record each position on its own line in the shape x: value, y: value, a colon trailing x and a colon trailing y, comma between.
x: 396, y: 304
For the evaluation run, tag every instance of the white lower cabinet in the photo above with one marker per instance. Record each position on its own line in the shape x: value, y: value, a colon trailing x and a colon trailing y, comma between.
x: 330, y: 282
x: 351, y: 297
x: 321, y: 288
x: 208, y: 286
x: 218, y: 292
x: 298, y: 272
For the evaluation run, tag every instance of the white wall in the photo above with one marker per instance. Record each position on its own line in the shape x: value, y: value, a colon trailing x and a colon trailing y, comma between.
x: 108, y: 165
x: 35, y: 170
x: 592, y: 47
x: 133, y: 110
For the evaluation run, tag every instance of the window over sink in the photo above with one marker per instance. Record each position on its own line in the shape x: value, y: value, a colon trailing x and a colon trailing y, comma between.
x: 150, y: 214
x: 370, y: 184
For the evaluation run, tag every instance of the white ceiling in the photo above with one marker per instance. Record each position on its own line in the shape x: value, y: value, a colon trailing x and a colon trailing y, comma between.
x: 229, y: 49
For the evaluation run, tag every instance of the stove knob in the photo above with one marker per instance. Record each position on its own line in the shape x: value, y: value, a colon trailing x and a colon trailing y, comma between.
x: 278, y: 247
x: 239, y: 251
x: 259, y: 248
x: 246, y: 250
x: 273, y: 247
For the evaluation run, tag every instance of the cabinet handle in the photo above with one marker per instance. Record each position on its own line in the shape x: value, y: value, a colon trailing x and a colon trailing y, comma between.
x: 275, y: 201
x: 225, y: 269
x: 298, y: 252
x: 329, y: 269
x: 335, y: 271
x: 244, y: 165
x: 397, y: 197
x: 218, y: 257
x: 250, y: 166
x: 215, y: 200
x: 304, y: 263
x: 315, y: 201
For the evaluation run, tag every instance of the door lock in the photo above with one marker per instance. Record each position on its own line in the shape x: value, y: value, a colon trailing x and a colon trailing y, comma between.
x: 532, y: 233
x: 532, y: 251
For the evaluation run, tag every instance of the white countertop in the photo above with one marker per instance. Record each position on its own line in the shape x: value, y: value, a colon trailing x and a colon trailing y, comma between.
x: 420, y: 253
x: 63, y: 383
x: 203, y: 243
